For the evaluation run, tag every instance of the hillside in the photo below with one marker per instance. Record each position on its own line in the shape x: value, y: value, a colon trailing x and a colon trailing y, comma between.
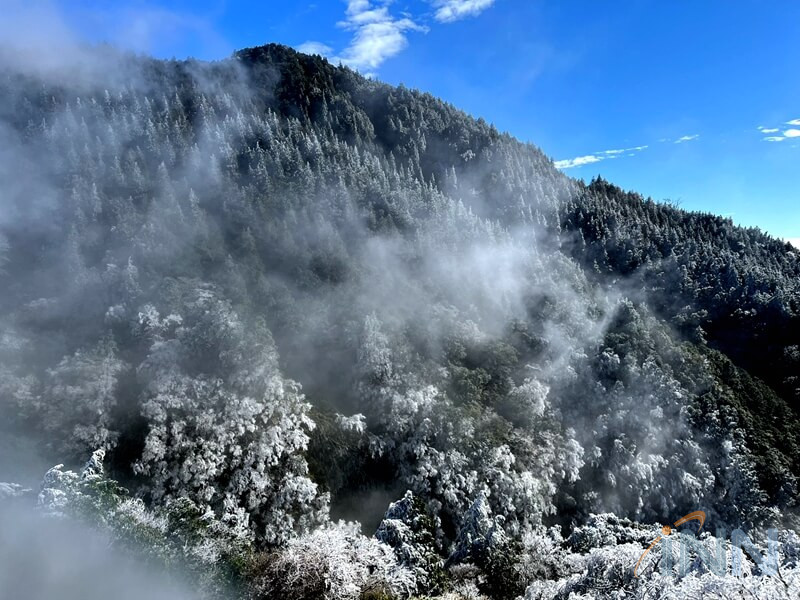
x: 269, y: 294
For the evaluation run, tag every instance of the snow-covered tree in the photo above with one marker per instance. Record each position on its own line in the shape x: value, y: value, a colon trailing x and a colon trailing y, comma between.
x: 235, y: 445
x: 335, y: 562
x: 77, y: 405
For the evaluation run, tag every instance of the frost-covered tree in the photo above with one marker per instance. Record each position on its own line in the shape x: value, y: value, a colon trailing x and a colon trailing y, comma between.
x: 335, y: 562
x: 235, y: 445
x: 241, y: 456
x: 411, y: 533
x: 77, y: 404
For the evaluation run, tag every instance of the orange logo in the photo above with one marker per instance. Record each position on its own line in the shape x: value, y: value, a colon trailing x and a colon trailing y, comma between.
x: 697, y: 515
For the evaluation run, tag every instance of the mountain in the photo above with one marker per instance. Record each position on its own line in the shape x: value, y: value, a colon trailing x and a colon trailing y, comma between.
x: 265, y: 294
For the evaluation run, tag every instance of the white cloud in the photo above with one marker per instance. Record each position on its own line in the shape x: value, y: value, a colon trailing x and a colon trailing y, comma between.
x: 785, y: 135
x: 589, y: 159
x: 795, y: 241
x: 448, y: 11
x: 686, y: 138
x: 311, y: 47
x: 623, y: 150
x: 577, y: 162
x: 377, y: 35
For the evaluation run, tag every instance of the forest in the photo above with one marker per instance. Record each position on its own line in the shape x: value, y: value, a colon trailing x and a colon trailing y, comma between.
x: 272, y: 329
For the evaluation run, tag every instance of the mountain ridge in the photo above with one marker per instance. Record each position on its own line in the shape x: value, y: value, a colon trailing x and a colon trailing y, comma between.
x: 276, y: 293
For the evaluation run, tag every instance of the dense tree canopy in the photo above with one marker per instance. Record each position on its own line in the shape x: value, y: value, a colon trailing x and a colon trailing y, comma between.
x: 273, y: 294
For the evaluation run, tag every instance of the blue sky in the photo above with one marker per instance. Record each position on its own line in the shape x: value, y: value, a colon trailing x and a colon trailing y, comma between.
x: 665, y: 97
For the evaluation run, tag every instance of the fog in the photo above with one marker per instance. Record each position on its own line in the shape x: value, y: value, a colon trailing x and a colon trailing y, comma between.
x: 45, y: 558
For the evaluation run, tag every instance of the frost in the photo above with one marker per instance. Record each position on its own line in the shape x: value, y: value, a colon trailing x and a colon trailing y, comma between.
x: 335, y: 562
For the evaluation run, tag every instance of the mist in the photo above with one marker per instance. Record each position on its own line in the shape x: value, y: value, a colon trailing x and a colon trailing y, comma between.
x: 46, y: 558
